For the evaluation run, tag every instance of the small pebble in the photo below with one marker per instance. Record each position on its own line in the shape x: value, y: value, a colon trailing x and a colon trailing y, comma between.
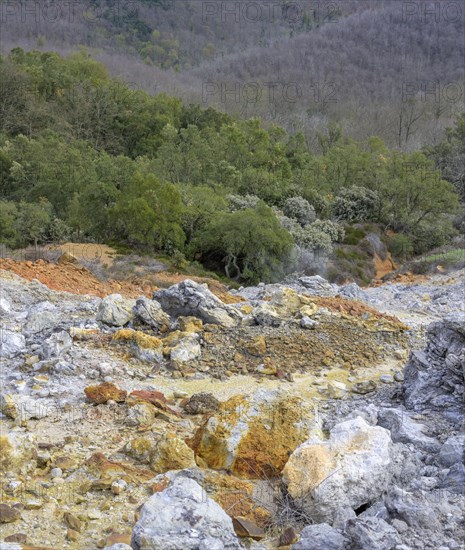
x: 118, y: 486
x: 56, y: 472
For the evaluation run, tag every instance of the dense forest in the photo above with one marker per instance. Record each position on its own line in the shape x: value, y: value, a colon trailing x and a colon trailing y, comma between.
x: 384, y: 67
x: 84, y: 156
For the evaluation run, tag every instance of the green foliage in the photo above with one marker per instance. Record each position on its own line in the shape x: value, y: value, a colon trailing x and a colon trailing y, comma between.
x: 239, y: 202
x: 313, y: 238
x: 83, y: 156
x: 8, y: 215
x: 250, y: 244
x: 415, y: 193
x: 58, y: 231
x: 449, y: 155
x: 333, y: 229
x: 149, y: 213
x: 428, y: 236
x: 200, y: 204
x: 353, y: 235
x: 401, y: 246
x: 33, y: 221
x: 319, y: 202
x: 300, y: 210
x: 356, y: 204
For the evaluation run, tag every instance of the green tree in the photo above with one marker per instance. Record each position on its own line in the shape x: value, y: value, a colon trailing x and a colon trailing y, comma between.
x: 149, y: 213
x: 449, y: 155
x: 415, y: 193
x: 200, y: 204
x: 250, y: 244
x: 33, y: 221
x: 8, y: 230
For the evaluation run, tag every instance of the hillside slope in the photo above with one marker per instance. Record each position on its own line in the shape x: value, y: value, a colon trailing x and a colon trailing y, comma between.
x: 389, y: 68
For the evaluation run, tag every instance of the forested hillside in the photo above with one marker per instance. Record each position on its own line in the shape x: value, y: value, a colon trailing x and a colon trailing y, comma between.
x: 390, y: 68
x: 83, y: 156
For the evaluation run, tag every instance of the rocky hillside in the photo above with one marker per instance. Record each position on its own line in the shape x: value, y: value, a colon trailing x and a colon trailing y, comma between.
x: 307, y: 416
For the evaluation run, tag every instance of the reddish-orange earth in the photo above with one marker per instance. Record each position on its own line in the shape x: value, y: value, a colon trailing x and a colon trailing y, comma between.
x: 74, y: 278
x: 383, y: 267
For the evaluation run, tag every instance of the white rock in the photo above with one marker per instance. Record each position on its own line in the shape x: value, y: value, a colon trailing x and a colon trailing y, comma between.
x: 187, y: 349
x: 183, y: 517
x: 115, y: 310
x: 351, y: 468
x: 57, y: 344
x: 11, y: 344
x: 308, y: 323
x: 5, y: 306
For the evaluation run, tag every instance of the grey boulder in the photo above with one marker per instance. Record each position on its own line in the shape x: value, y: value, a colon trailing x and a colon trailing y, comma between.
x: 56, y: 344
x: 115, y: 310
x: 320, y: 537
x: 183, y: 517
x: 452, y: 451
x: 190, y: 298
x: 434, y: 377
x: 317, y: 286
x: 11, y: 344
x: 373, y: 533
x: 404, y: 430
x: 150, y: 313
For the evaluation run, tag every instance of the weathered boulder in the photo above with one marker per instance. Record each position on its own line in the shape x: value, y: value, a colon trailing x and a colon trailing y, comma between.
x: 351, y: 468
x: 115, y: 310
x: 143, y: 346
x: 404, y: 430
x: 140, y: 448
x: 452, y: 451
x: 237, y: 497
x: 190, y: 324
x: 22, y: 407
x: 285, y: 304
x: 5, y: 306
x: 186, y: 350
x: 141, y: 414
x: 189, y: 298
x: 201, y: 403
x: 57, y: 344
x: 18, y: 451
x: 308, y: 323
x: 454, y: 481
x: 41, y: 317
x: 105, y: 392
x: 320, y: 537
x: 253, y: 437
x: 373, y: 533
x: 435, y: 377
x: 352, y: 291
x: 317, y: 286
x: 8, y: 514
x: 266, y: 315
x: 67, y: 258
x: 183, y: 517
x: 412, y: 508
x: 150, y: 313
x: 171, y: 453
x: 11, y: 344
